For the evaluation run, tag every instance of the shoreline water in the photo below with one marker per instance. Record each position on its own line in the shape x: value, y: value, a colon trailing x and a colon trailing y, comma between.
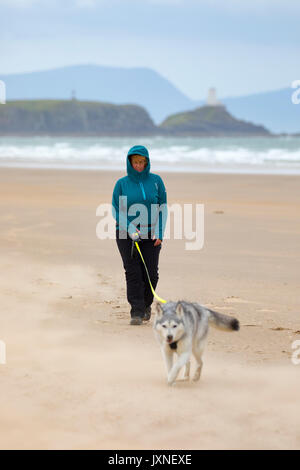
x: 205, y: 155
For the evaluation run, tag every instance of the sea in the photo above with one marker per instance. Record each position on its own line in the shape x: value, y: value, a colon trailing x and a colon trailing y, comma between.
x: 273, y: 155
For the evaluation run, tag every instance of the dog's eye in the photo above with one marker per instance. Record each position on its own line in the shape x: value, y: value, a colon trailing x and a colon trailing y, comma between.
x: 164, y: 326
x: 174, y: 326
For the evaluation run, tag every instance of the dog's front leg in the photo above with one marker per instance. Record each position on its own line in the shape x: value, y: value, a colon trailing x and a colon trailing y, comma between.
x: 182, y: 360
x: 168, y: 358
x: 187, y: 371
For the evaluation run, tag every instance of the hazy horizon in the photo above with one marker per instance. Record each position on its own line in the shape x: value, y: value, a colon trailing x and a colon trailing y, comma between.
x: 241, y: 48
x: 145, y: 68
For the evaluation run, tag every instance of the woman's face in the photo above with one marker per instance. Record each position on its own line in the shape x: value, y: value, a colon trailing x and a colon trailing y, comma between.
x: 138, y: 162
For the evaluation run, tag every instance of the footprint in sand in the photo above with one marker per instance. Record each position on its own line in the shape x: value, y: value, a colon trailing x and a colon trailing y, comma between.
x: 219, y: 307
x: 45, y: 282
x: 280, y: 328
x: 266, y: 310
x: 105, y: 280
x: 233, y: 299
x: 100, y: 321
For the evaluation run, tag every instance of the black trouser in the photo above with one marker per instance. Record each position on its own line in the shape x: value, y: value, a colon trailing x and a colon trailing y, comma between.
x: 139, y: 294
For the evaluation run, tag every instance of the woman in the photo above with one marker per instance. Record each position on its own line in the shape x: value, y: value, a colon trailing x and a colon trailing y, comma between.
x: 143, y: 193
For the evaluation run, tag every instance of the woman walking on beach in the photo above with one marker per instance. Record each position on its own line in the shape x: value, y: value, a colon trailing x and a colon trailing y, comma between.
x: 143, y: 193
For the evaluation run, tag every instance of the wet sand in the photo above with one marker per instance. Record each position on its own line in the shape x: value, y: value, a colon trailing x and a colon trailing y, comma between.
x: 77, y: 376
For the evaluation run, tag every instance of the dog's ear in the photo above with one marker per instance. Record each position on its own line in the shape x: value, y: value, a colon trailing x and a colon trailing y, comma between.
x: 179, y: 310
x: 159, y: 310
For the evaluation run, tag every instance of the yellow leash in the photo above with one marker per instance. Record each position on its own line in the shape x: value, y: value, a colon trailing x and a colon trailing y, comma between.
x: 153, y: 291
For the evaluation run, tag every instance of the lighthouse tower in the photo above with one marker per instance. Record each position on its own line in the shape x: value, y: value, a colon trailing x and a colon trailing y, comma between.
x: 212, y: 98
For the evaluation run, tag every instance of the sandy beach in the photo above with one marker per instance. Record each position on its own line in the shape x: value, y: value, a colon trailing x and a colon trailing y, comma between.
x: 78, y: 376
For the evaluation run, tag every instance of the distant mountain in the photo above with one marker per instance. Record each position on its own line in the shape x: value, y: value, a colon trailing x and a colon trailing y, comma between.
x: 273, y: 109
x: 210, y: 121
x: 140, y: 86
x: 53, y: 117
x: 147, y: 88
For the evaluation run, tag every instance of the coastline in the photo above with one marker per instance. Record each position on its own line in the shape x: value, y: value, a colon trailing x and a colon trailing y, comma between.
x: 186, y: 169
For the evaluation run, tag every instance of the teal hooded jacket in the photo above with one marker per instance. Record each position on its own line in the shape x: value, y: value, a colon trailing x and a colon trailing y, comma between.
x: 142, y: 188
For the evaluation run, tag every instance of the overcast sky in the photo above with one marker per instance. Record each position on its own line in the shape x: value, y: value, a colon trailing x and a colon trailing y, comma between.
x: 238, y: 46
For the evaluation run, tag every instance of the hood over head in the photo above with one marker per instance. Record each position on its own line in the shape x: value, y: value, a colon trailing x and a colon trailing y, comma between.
x: 132, y: 173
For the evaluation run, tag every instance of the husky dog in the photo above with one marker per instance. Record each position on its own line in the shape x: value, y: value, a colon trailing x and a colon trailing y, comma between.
x: 182, y: 327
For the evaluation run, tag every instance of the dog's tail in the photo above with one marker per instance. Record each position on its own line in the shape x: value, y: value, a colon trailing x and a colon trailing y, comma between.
x: 223, y: 322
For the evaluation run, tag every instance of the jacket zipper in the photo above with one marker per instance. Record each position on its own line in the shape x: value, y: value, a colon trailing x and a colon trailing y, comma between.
x: 143, y: 191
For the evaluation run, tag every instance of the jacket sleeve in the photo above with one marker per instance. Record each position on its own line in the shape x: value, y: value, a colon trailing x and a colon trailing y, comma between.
x: 119, y: 209
x: 163, y: 210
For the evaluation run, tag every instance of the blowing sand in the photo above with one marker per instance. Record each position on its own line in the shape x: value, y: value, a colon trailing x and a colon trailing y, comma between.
x: 77, y: 376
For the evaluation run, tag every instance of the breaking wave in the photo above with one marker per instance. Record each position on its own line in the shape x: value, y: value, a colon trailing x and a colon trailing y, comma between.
x: 172, y: 154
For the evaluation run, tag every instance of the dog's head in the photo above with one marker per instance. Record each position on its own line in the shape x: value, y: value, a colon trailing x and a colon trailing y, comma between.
x: 169, y: 322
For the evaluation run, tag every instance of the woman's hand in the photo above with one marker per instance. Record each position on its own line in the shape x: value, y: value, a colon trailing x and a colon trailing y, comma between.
x: 157, y: 241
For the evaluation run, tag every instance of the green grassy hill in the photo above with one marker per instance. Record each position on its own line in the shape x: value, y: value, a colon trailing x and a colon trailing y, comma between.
x: 72, y: 117
x: 210, y: 121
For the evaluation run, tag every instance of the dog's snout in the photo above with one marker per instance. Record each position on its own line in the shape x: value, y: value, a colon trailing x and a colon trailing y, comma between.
x: 169, y: 338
